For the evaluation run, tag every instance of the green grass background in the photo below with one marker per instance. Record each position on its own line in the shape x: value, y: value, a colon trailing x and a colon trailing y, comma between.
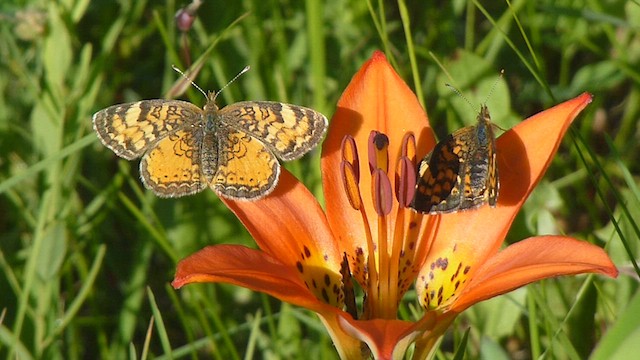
x: 86, y: 254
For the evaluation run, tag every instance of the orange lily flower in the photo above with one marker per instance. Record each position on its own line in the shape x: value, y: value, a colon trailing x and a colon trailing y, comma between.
x: 454, y: 259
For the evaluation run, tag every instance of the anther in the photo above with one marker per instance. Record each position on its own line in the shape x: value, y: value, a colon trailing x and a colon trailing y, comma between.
x: 405, y: 181
x: 350, y: 154
x: 382, y: 196
x: 350, y: 183
x: 378, y: 151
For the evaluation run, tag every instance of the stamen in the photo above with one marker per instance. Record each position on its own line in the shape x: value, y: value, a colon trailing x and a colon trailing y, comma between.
x: 350, y: 155
x: 347, y: 283
x: 409, y: 147
x: 350, y: 171
x: 382, y: 203
x: 365, y: 270
x: 381, y: 192
x: 384, y: 269
x: 404, y: 230
x: 378, y: 153
x: 382, y: 199
x: 350, y: 183
x: 405, y: 181
x: 406, y: 170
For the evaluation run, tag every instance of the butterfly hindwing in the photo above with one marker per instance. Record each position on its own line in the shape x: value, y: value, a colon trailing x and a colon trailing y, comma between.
x: 461, y: 172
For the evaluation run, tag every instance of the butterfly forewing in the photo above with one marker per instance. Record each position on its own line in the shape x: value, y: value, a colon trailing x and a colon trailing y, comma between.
x: 290, y: 131
x: 129, y: 130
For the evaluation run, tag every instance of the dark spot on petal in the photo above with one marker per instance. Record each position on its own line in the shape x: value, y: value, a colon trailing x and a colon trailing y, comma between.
x: 325, y: 296
x: 444, y: 263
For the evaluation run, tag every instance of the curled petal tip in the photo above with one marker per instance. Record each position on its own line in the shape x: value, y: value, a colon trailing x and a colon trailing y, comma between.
x: 176, y: 284
x: 378, y: 55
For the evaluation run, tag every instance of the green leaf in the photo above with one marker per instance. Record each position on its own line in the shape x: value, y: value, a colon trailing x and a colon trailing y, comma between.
x: 623, y: 338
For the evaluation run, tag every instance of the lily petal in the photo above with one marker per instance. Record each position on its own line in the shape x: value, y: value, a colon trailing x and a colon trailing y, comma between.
x: 286, y: 221
x: 290, y: 226
x: 249, y: 268
x: 387, y: 339
x: 524, y: 154
x: 531, y: 260
x: 376, y: 99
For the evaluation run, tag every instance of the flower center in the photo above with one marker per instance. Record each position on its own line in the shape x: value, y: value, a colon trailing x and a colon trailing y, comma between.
x: 387, y: 261
x: 398, y: 244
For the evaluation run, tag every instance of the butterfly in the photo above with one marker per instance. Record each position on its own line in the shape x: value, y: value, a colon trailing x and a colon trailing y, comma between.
x: 461, y: 172
x: 233, y: 150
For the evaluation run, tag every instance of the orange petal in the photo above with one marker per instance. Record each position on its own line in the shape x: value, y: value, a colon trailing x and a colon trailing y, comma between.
x: 288, y: 224
x: 348, y: 347
x: 531, y: 260
x: 249, y: 268
x: 388, y: 339
x: 524, y: 154
x: 376, y: 99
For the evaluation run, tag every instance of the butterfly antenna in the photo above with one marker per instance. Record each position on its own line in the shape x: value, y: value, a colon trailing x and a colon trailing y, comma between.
x: 493, y: 87
x: 246, y: 68
x: 453, y: 88
x: 188, y: 78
